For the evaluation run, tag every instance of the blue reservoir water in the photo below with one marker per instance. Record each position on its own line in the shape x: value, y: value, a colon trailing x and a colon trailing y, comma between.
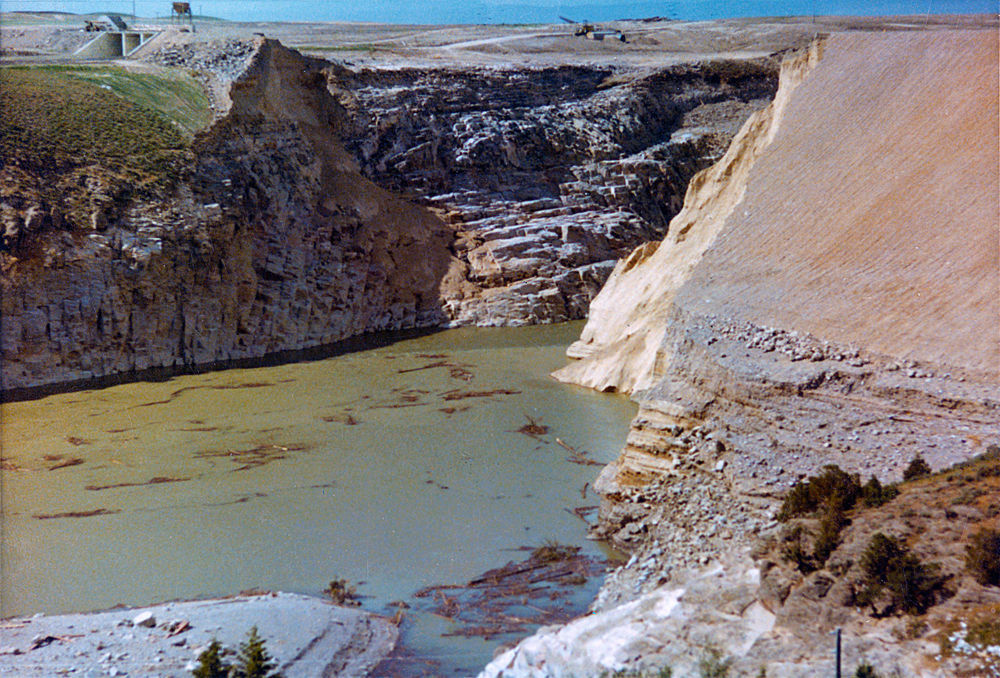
x: 509, y: 11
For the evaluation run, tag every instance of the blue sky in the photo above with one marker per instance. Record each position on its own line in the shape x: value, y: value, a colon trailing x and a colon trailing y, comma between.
x: 504, y: 11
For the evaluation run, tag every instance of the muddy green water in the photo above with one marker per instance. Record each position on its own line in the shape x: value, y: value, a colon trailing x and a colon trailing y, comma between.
x: 399, y: 466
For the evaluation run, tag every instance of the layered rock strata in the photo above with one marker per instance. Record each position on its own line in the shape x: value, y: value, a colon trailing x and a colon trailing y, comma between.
x: 548, y: 175
x: 520, y: 189
x: 271, y: 242
x: 829, y: 294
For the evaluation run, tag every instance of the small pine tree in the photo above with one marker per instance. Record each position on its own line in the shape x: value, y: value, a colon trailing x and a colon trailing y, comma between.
x: 253, y: 660
x: 918, y: 468
x: 888, y: 564
x: 210, y: 664
x: 982, y: 556
x: 874, y: 494
x: 865, y: 670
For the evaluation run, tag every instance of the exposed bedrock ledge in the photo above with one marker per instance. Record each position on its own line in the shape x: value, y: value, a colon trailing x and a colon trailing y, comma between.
x: 547, y: 175
x: 492, y: 197
x: 272, y: 242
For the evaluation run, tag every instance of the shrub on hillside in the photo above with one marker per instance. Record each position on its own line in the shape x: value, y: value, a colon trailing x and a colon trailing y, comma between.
x: 713, y: 665
x: 918, y: 468
x: 830, y: 527
x: 874, y: 494
x: 982, y: 557
x: 832, y: 487
x: 888, y: 567
x: 794, y: 551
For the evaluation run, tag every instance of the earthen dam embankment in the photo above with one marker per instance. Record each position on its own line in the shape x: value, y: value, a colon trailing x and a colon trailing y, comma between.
x: 829, y: 294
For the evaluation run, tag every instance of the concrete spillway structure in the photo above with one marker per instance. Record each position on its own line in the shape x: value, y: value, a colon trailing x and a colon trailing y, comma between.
x: 112, y: 44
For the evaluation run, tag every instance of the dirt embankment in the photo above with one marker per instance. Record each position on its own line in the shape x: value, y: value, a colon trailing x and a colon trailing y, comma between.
x: 305, y: 637
x: 824, y: 269
x: 828, y: 294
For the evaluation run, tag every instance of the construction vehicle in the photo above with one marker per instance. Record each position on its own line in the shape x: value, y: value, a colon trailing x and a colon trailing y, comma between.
x: 591, y: 31
x: 583, y: 29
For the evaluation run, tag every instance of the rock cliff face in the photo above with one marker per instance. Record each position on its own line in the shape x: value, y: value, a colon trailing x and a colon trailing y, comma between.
x: 324, y: 203
x: 548, y: 175
x: 829, y: 294
x: 272, y: 242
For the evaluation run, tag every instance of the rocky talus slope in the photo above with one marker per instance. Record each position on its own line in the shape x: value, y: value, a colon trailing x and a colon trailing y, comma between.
x: 547, y: 175
x: 829, y: 294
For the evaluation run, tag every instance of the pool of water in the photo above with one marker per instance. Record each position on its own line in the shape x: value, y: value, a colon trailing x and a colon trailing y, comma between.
x: 399, y: 467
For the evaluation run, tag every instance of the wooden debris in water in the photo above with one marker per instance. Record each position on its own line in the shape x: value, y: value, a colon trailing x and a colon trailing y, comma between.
x: 240, y: 500
x: 582, y: 512
x: 158, y: 480
x: 214, y: 387
x: 453, y: 410
x: 345, y: 418
x: 342, y: 593
x: 533, y: 428
x: 77, y: 514
x: 253, y: 457
x: 59, y: 461
x: 8, y: 465
x: 455, y: 370
x: 440, y: 363
x: 459, y: 395
x: 577, y: 457
x: 510, y: 599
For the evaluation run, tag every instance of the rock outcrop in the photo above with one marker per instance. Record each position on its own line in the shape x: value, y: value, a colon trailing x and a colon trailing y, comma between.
x: 323, y: 203
x: 548, y: 175
x: 829, y: 294
x: 271, y: 242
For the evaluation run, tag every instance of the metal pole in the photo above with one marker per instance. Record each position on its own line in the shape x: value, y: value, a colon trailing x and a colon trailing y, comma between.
x: 838, y: 653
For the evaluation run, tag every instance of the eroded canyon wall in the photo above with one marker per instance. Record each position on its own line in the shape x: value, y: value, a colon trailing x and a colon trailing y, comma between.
x: 325, y: 202
x: 273, y: 241
x: 548, y: 175
x: 829, y: 294
x: 839, y: 263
